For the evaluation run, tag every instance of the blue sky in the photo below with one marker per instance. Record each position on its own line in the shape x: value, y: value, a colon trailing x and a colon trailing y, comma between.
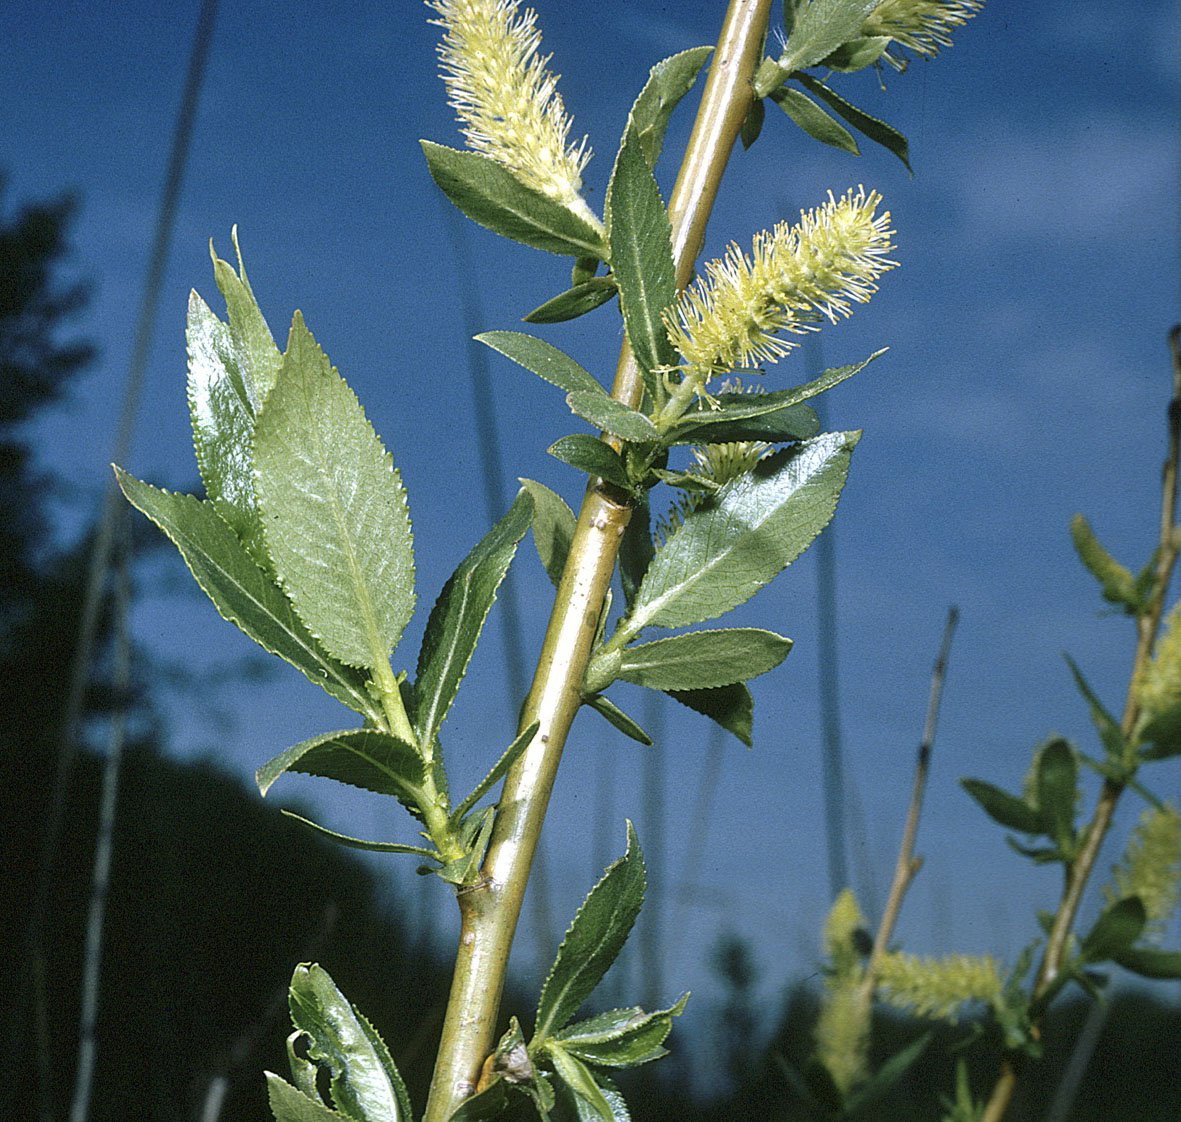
x: 1026, y: 380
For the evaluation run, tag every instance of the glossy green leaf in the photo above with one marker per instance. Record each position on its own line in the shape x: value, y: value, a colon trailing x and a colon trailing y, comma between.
x: 857, y: 54
x: 593, y: 940
x: 1057, y: 792
x: 606, y: 708
x: 458, y: 616
x: 1006, y: 809
x: 878, y: 1084
x: 668, y: 82
x: 814, y: 120
x: 621, y: 1037
x: 604, y: 412
x: 304, y: 1072
x: 1116, y: 929
x: 366, y: 758
x: 865, y: 123
x: 1149, y: 962
x: 289, y: 1105
x: 735, y: 407
x: 704, y: 659
x: 791, y: 422
x: 574, y: 302
x: 731, y: 707
x: 730, y: 547
x: 493, y: 197
x: 241, y: 591
x: 364, y: 1082
x: 636, y: 550
x: 588, y: 453
x: 543, y: 359
x: 820, y: 28
x: 1108, y: 727
x: 334, y: 510
x: 222, y: 417
x: 360, y: 843
x: 491, y: 1102
x: 578, y: 1078
x: 641, y: 258
x: 752, y: 123
x: 498, y: 769
x: 1118, y: 585
x: 553, y: 528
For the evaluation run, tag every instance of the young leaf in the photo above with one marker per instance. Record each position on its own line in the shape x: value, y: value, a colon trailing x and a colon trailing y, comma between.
x: 360, y: 843
x: 1057, y: 792
x: 1117, y: 582
x: 364, y: 1082
x: 704, y: 659
x: 814, y: 120
x: 856, y: 54
x: 636, y: 550
x: 491, y: 1102
x: 1108, y: 727
x: 1150, y: 963
x: 731, y: 546
x: 606, y: 708
x: 241, y: 591
x: 752, y: 124
x: 458, y: 616
x: 1116, y: 929
x: 575, y: 301
x: 604, y: 412
x: 289, y: 1105
x: 621, y: 1037
x: 498, y: 770
x: 367, y: 758
x: 593, y: 940
x: 1006, y: 809
x: 787, y: 423
x: 820, y: 28
x: 578, y: 1078
x: 641, y: 257
x: 543, y: 359
x: 334, y: 509
x: 553, y: 528
x: 668, y: 81
x: 588, y: 453
x: 1162, y: 735
x: 493, y: 197
x: 731, y: 707
x: 866, y: 124
x: 887, y: 1075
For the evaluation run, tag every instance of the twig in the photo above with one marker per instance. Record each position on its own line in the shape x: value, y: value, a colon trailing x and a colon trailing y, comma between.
x: 908, y: 865
x: 1147, y: 626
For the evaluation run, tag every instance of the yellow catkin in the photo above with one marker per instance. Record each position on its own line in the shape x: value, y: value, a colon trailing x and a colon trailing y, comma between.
x: 505, y: 97
x: 842, y: 1033
x: 1158, y: 688
x: 1151, y: 867
x: 937, y: 987
x: 796, y: 276
x: 921, y: 26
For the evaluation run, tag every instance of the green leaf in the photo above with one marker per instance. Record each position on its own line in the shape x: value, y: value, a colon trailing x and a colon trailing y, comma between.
x: 366, y: 758
x: 543, y: 359
x: 1057, y: 792
x: 1108, y: 727
x: 857, y: 54
x: 593, y: 940
x: 577, y: 1076
x: 588, y: 453
x: 575, y: 301
x: 605, y: 707
x: 822, y: 27
x: 1118, y: 584
x: 494, y: 198
x: 621, y: 1037
x: 359, y: 843
x: 1116, y: 929
x: 241, y: 591
x: 364, y: 1082
x: 641, y: 257
x: 788, y: 423
x: 334, y: 509
x: 491, y: 1102
x: 1150, y: 963
x: 604, y: 412
x: 814, y: 120
x: 733, y: 407
x: 289, y: 1105
x: 458, y: 616
x: 498, y: 770
x: 731, y: 707
x: 668, y: 82
x: 887, y: 1075
x: 869, y: 126
x: 731, y: 546
x: 1008, y: 810
x: 636, y: 550
x: 1162, y: 734
x: 704, y: 659
x: 475, y: 833
x: 553, y: 528
x: 752, y: 123
x: 222, y: 416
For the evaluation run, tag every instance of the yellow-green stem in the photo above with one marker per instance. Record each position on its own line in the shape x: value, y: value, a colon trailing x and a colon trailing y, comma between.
x: 489, y: 910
